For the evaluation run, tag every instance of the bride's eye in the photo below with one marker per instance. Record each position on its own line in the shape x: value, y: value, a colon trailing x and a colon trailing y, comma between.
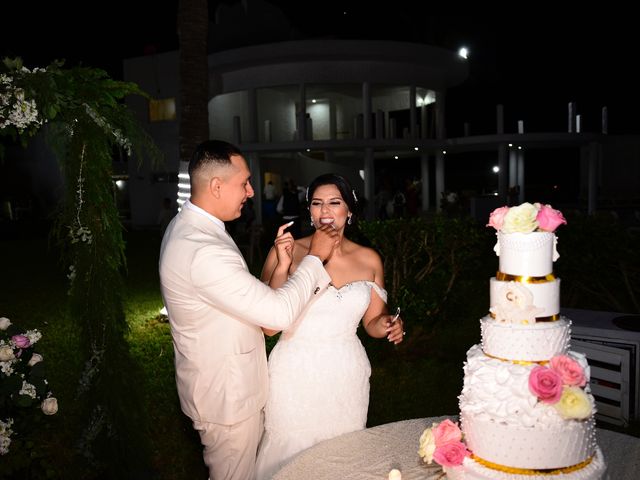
x: 316, y: 203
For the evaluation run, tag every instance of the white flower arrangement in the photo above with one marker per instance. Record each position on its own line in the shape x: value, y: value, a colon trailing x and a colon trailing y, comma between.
x: 15, y: 109
x: 22, y: 382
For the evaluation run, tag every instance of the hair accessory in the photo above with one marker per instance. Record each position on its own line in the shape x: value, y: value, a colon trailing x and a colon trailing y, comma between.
x: 306, y: 198
x: 354, y: 195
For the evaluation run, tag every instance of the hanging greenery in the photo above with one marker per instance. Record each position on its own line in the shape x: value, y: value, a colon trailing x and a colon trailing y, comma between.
x: 82, y: 114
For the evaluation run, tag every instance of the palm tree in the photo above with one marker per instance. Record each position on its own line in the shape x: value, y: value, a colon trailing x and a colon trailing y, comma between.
x: 193, y: 23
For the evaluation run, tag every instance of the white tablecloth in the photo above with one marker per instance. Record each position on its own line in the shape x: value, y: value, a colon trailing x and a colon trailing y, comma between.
x: 372, y: 453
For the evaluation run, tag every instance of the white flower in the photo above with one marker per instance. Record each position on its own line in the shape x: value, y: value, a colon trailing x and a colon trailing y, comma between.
x: 5, y: 436
x: 35, y: 358
x: 28, y: 389
x: 6, y: 353
x: 521, y: 219
x: 33, y: 335
x: 4, y: 323
x: 49, y: 406
x: 6, y: 368
x: 427, y: 445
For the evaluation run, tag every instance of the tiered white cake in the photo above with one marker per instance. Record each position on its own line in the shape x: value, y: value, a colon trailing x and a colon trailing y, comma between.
x: 526, y: 410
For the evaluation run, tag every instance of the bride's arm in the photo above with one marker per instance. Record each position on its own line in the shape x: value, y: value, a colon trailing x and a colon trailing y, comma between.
x: 275, y: 271
x: 376, y: 320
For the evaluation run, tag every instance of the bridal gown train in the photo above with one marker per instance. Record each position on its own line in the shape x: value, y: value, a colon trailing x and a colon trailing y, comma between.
x: 318, y: 377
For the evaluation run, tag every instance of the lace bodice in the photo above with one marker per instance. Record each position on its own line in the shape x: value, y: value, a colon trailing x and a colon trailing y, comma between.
x: 336, y: 314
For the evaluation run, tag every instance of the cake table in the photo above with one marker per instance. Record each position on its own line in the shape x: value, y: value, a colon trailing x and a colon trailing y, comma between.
x: 370, y: 454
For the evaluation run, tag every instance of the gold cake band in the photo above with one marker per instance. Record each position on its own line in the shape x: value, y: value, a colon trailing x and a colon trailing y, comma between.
x: 551, y: 318
x: 507, y: 277
x: 528, y: 471
x: 518, y: 362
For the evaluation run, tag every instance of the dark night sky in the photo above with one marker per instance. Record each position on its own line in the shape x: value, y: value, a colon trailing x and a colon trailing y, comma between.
x: 533, y: 65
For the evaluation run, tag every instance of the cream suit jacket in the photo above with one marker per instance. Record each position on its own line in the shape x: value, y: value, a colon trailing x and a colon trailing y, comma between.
x: 215, y: 307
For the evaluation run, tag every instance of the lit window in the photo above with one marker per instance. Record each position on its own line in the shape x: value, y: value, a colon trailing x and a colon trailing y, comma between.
x: 162, y: 109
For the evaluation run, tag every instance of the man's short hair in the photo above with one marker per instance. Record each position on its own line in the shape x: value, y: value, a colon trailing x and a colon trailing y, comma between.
x: 211, y: 155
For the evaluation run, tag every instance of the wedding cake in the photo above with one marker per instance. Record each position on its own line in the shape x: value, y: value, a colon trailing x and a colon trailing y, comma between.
x: 526, y: 411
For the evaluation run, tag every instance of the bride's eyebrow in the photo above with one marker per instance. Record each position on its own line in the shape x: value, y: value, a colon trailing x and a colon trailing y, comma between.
x: 329, y: 199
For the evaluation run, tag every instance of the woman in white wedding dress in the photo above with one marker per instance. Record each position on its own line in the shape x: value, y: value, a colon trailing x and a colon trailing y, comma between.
x: 319, y: 371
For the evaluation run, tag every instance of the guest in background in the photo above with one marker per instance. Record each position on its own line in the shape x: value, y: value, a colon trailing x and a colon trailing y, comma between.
x: 289, y: 207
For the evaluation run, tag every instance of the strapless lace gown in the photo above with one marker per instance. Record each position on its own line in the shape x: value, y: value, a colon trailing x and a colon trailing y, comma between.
x: 318, y: 377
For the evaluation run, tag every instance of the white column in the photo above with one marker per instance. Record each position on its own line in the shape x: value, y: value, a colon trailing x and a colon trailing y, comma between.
x: 424, y: 175
x: 503, y: 165
x: 439, y: 179
x: 513, y: 167
x: 520, y: 154
x: 441, y: 131
x: 333, y: 120
x: 571, y: 112
x: 366, y: 110
x: 253, y: 116
x: 413, y: 113
x: 302, y: 113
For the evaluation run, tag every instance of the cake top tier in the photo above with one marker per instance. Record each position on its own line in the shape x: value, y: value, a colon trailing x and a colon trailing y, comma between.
x: 526, y: 218
x: 526, y: 243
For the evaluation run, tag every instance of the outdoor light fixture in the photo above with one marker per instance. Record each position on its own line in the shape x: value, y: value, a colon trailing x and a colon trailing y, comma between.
x: 463, y: 52
x: 495, y: 169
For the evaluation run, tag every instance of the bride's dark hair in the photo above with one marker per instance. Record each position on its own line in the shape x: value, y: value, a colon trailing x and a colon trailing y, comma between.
x: 342, y: 184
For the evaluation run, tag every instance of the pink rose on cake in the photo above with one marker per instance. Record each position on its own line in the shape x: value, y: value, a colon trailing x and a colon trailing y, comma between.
x: 569, y: 370
x: 451, y: 454
x: 545, y: 384
x: 548, y: 218
x: 446, y: 432
x: 496, y: 219
x: 443, y: 443
x: 526, y: 218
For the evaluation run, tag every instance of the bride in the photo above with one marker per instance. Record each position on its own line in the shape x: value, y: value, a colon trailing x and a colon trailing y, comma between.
x: 319, y: 371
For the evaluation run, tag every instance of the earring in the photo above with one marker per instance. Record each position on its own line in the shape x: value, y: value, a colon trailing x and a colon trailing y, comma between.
x: 311, y: 222
x: 349, y: 219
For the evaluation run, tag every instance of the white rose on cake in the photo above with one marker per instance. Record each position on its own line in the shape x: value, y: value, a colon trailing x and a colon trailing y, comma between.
x: 521, y: 219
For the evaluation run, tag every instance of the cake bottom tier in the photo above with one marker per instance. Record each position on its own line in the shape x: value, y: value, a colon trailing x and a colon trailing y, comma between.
x: 595, y: 469
x: 554, y: 446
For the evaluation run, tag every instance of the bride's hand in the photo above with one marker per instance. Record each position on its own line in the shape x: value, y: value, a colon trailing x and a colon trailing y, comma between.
x: 395, y: 329
x: 284, y: 246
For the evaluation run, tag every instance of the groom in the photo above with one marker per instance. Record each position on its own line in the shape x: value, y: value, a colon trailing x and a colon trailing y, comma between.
x: 216, y: 308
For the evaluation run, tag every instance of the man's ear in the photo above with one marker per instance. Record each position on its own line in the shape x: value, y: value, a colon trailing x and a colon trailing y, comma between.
x: 214, y: 186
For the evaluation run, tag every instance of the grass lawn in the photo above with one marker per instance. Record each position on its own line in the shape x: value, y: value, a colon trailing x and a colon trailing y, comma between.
x: 415, y: 380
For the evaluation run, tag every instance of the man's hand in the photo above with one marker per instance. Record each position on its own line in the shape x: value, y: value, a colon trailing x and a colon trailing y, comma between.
x: 323, y: 242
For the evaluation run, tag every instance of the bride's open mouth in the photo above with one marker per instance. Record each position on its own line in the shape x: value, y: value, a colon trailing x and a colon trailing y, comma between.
x: 326, y: 221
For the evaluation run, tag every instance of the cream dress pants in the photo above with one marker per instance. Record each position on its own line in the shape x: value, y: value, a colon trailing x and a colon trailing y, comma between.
x: 230, y: 450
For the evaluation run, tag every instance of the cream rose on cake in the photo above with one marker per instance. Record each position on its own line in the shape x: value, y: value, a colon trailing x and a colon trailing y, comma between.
x: 574, y: 404
x: 520, y: 219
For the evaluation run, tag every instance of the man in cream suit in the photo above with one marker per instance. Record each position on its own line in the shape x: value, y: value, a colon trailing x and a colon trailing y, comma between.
x: 216, y: 308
